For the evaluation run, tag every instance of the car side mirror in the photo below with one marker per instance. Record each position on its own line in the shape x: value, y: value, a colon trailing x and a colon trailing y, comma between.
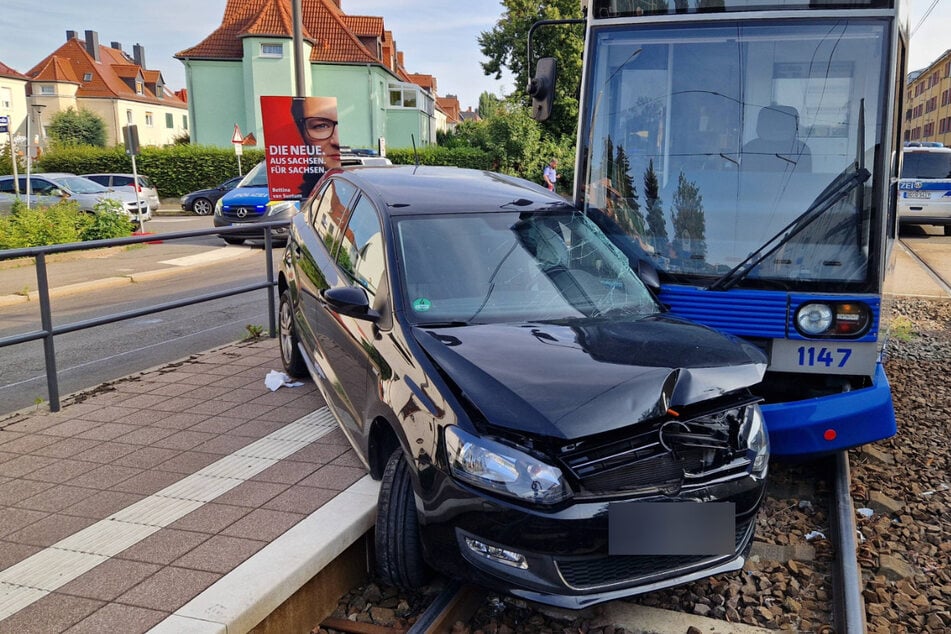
x: 351, y: 301
x: 541, y: 88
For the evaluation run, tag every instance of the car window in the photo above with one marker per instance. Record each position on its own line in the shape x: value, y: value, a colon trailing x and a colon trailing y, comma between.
x: 144, y: 181
x: 80, y: 185
x: 121, y: 181
x: 42, y: 186
x: 476, y: 268
x: 361, y: 247
x: 330, y: 213
x: 7, y: 187
x: 101, y: 179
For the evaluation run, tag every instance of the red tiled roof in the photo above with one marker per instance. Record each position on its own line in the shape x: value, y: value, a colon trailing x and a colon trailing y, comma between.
x: 324, y: 24
x: 364, y: 25
x: 423, y: 81
x: 71, y: 61
x: 6, y: 71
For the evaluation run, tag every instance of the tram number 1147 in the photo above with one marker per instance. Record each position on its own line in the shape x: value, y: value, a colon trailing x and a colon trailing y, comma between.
x: 810, y: 356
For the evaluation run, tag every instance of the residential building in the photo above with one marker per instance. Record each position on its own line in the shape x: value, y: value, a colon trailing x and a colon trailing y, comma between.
x: 352, y: 58
x: 13, y: 101
x: 84, y: 75
x: 927, y: 116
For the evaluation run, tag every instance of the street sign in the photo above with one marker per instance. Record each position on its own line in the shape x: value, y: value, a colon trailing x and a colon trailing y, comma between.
x: 4, y: 123
x: 236, y: 137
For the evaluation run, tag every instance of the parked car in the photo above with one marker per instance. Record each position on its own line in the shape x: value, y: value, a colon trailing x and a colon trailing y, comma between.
x: 924, y: 190
x: 540, y: 424
x: 51, y: 188
x: 250, y: 203
x: 126, y: 182
x: 202, y: 202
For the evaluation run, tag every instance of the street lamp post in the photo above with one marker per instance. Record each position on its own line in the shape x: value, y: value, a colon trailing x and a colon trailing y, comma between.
x: 38, y: 113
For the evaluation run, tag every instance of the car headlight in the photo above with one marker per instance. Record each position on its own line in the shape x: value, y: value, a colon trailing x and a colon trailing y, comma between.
x: 503, y: 469
x: 757, y: 439
x: 278, y: 208
x: 218, y: 207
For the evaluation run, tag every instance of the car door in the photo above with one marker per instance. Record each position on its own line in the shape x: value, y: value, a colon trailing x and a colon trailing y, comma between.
x: 315, y: 236
x: 45, y: 192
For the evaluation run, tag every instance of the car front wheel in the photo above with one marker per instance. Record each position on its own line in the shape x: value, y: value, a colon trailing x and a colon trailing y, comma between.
x: 291, y: 355
x: 203, y: 207
x: 399, y: 554
x: 233, y: 240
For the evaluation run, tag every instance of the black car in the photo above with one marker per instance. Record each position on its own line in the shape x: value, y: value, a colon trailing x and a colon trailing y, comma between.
x: 540, y: 425
x: 202, y: 202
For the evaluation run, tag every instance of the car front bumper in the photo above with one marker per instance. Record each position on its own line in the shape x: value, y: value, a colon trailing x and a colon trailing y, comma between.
x: 565, y: 552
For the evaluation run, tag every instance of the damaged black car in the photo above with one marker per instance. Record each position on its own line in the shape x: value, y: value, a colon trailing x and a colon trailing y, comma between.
x: 541, y: 426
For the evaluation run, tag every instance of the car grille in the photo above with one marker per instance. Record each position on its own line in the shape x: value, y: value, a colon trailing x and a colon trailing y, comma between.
x: 661, y: 457
x: 600, y: 572
x: 250, y: 212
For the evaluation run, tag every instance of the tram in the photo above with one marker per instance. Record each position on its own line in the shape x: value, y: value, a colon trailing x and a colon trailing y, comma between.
x: 748, y: 153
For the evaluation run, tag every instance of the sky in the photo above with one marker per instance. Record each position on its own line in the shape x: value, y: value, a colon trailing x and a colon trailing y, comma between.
x: 437, y: 37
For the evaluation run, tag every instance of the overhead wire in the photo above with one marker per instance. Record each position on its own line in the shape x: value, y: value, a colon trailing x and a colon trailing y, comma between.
x: 934, y: 3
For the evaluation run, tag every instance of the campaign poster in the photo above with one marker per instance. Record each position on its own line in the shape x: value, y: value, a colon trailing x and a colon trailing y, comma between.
x: 301, y: 143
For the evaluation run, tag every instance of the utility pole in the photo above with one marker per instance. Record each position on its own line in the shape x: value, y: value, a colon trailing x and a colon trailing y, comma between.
x: 300, y: 87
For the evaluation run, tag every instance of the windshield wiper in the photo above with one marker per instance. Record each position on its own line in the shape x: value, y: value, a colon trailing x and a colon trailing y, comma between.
x: 834, y: 191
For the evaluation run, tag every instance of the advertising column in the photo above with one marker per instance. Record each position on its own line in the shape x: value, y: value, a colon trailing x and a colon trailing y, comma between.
x: 302, y: 143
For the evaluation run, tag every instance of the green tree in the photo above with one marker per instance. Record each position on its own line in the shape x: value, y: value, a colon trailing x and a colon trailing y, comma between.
x: 688, y: 217
x: 84, y: 127
x: 657, y: 225
x: 505, y: 47
x: 488, y: 105
x: 629, y: 207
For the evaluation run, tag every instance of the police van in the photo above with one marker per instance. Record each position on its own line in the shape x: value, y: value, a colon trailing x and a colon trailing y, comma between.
x: 924, y: 191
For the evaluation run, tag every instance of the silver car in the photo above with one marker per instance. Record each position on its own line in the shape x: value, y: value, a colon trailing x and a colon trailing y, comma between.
x: 51, y: 188
x: 125, y: 182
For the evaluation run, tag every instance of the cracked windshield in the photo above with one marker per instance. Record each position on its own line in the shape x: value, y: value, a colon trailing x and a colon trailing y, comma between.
x: 740, y: 147
x: 494, y: 267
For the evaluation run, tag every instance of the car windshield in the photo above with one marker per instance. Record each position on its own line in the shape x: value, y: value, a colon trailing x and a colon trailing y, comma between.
x: 501, y: 266
x: 80, y: 185
x: 926, y: 165
x: 257, y: 177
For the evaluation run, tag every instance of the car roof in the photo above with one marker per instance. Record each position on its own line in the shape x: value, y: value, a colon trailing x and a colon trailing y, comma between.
x: 407, y: 190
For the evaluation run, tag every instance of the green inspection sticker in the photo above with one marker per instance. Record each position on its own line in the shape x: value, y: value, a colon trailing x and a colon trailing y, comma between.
x: 421, y: 304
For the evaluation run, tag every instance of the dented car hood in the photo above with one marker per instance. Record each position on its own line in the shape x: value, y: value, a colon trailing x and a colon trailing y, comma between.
x: 573, y: 379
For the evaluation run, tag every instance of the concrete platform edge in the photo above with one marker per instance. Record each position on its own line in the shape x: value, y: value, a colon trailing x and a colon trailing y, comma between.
x: 244, y: 597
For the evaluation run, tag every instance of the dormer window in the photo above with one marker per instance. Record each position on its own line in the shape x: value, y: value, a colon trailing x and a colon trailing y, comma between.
x: 139, y: 88
x: 159, y: 91
x: 272, y: 50
x: 87, y: 77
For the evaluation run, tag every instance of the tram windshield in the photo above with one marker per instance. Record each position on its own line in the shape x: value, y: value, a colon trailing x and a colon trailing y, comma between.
x: 713, y: 143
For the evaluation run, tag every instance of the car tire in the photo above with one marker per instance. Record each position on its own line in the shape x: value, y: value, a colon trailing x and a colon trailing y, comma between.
x: 203, y: 207
x: 291, y: 355
x: 233, y: 240
x: 399, y: 553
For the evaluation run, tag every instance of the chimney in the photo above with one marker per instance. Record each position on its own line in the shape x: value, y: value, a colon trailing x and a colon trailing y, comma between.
x: 399, y: 59
x: 92, y: 44
x: 138, y: 54
x: 71, y: 35
x: 117, y: 46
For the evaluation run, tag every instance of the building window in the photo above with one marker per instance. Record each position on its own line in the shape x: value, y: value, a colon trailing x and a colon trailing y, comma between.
x: 272, y: 50
x: 6, y: 99
x: 169, y: 120
x: 87, y: 77
x: 139, y: 88
x: 185, y: 121
x: 403, y: 96
x: 149, y: 120
x: 159, y: 91
x: 47, y: 90
x: 128, y: 116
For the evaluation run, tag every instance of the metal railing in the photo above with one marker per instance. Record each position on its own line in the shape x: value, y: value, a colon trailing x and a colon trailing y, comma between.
x: 48, y: 331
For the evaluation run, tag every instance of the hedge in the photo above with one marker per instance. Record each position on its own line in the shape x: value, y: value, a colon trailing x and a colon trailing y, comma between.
x: 179, y: 169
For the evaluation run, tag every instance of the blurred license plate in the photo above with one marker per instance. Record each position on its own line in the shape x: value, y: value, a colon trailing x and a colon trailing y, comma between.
x: 917, y: 195
x: 671, y: 528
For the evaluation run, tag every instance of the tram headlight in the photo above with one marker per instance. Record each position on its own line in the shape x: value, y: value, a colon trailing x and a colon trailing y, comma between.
x: 835, y: 319
x: 814, y: 319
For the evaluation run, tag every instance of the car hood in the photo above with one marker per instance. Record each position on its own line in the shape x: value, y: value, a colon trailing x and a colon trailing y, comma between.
x: 246, y: 196
x: 574, y: 379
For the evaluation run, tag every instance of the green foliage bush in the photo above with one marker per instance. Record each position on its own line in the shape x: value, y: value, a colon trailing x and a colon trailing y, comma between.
x: 471, y: 157
x: 61, y: 223
x: 175, y: 170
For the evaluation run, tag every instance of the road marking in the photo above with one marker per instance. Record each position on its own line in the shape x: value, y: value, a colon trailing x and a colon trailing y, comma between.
x: 217, y: 255
x: 36, y: 576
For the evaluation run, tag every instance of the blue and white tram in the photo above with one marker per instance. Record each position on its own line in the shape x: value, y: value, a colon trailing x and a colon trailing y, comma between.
x: 750, y: 149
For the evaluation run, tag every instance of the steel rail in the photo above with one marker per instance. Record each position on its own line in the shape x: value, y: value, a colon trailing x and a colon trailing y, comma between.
x: 848, y: 609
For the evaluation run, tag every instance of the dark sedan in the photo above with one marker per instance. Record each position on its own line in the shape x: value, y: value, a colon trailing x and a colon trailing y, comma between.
x: 202, y: 202
x: 540, y: 425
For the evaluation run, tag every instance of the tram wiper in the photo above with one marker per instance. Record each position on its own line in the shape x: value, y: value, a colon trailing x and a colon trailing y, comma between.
x: 843, y: 184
